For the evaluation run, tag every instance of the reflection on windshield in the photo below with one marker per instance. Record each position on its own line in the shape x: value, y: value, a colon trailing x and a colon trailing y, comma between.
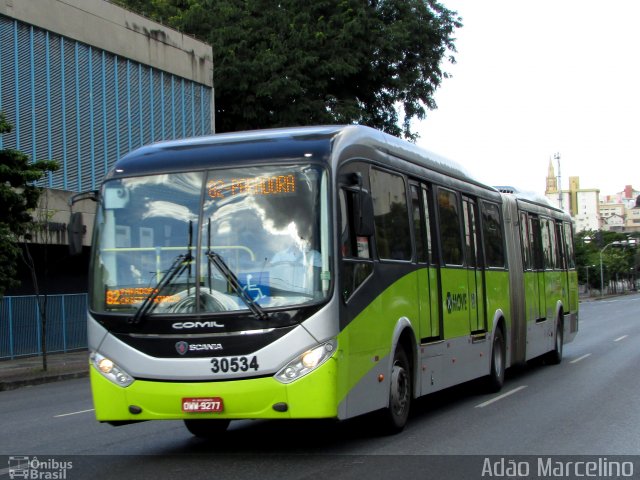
x: 264, y: 223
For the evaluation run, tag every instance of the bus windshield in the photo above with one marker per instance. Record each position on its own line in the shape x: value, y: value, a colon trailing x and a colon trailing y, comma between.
x: 217, y: 241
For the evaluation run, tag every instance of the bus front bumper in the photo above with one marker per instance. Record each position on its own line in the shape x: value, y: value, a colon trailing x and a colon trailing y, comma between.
x: 311, y: 396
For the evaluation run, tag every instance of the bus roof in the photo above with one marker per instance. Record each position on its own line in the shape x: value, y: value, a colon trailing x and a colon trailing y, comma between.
x: 530, y: 197
x: 263, y: 146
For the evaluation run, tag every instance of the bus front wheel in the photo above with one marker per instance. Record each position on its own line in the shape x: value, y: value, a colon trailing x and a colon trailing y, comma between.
x: 208, y: 429
x: 395, y: 416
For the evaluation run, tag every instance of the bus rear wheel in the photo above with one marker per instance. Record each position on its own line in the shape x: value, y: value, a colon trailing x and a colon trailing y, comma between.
x: 495, y: 379
x: 554, y: 357
x: 208, y: 429
x: 395, y: 416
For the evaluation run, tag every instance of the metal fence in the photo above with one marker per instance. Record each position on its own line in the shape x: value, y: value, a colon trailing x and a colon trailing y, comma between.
x: 20, y: 331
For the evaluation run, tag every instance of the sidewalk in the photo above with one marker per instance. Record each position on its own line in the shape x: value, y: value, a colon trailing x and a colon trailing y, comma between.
x: 21, y: 372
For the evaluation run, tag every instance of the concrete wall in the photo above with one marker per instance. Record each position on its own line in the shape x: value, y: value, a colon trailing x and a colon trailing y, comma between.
x: 54, y: 211
x: 103, y: 25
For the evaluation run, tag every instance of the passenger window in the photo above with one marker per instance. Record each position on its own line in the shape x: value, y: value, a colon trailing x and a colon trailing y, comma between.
x: 450, y: 227
x: 535, y: 235
x: 356, y: 265
x: 546, y: 244
x: 426, y: 201
x: 560, y: 253
x: 493, y: 238
x: 418, y: 224
x: 470, y: 213
x: 568, y: 241
x: 391, y: 216
x: 527, y: 260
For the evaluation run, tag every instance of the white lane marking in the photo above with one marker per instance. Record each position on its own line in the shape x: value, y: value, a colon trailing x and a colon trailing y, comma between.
x: 500, y: 397
x: 621, y: 338
x: 580, y: 358
x: 72, y: 413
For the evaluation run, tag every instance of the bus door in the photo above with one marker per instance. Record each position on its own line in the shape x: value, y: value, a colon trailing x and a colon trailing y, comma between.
x: 552, y: 281
x: 475, y: 272
x: 453, y: 274
x: 427, y: 281
x: 531, y: 300
x: 562, y: 264
x: 571, y: 267
x: 538, y: 296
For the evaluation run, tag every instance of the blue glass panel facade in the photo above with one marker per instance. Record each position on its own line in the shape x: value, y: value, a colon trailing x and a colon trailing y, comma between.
x: 85, y: 107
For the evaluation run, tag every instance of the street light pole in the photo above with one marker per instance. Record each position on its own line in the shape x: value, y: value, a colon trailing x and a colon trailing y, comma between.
x: 587, y: 267
x: 556, y: 156
x: 602, y: 274
x: 601, y: 270
x: 624, y: 243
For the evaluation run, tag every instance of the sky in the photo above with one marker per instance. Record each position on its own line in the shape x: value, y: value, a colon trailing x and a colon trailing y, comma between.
x: 539, y: 78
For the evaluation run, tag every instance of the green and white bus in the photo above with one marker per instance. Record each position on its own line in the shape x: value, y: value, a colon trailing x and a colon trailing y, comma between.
x: 317, y: 272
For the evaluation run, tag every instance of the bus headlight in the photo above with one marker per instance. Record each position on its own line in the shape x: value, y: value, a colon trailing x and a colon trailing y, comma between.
x: 305, y: 363
x: 110, y: 370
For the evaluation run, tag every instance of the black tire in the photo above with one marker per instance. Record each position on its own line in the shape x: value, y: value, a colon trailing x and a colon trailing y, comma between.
x: 495, y: 380
x: 554, y: 357
x: 395, y: 416
x: 208, y: 429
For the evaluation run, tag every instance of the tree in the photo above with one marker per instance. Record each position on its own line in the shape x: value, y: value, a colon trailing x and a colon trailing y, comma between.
x: 303, y: 62
x: 620, y: 260
x: 18, y: 197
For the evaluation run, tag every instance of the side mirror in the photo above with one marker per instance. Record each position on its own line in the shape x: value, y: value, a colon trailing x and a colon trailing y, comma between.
x: 363, y: 214
x: 75, y: 231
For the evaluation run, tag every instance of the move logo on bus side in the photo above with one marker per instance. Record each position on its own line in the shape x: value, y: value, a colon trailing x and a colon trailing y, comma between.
x: 457, y: 302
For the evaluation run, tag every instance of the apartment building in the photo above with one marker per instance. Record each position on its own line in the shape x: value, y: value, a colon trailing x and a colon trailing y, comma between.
x: 582, y: 204
x: 619, y: 212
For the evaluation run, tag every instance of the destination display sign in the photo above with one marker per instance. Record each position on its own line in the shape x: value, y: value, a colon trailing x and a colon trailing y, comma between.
x: 132, y: 296
x: 262, y: 185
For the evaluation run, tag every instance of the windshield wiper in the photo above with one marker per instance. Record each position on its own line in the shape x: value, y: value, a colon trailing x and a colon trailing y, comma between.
x: 236, y: 286
x: 179, y: 265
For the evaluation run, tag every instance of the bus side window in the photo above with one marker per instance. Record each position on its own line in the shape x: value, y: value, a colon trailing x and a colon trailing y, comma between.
x: 471, y: 237
x: 426, y: 203
x: 391, y: 215
x: 547, y: 251
x: 493, y: 238
x: 450, y: 233
x: 418, y: 225
x: 561, y: 257
x: 536, y: 242
x: 527, y: 261
x: 421, y: 223
x: 568, y: 242
x: 346, y: 247
x: 356, y: 264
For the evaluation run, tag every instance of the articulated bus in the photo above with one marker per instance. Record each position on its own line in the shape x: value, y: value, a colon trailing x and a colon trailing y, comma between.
x: 316, y: 272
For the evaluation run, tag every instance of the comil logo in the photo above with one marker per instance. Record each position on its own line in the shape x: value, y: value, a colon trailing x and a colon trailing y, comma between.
x: 190, y: 325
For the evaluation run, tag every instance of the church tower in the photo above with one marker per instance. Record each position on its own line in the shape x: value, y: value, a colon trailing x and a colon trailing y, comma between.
x: 552, y: 181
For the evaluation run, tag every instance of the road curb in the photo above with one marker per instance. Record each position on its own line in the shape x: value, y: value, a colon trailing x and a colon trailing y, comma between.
x: 6, y: 385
